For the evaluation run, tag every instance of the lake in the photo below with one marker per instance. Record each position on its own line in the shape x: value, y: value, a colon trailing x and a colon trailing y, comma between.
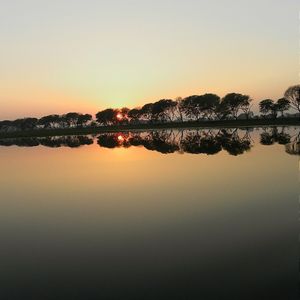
x: 166, y: 214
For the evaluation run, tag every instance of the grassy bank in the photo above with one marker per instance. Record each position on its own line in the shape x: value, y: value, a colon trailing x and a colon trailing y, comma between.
x: 202, y: 124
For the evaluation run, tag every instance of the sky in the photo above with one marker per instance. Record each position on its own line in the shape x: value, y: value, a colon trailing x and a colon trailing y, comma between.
x: 58, y: 56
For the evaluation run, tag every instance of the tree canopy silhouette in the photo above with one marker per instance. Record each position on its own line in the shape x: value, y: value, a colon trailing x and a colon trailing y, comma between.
x: 292, y: 94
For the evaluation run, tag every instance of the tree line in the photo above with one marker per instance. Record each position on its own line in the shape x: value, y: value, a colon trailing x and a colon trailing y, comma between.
x: 192, y: 108
x: 69, y: 120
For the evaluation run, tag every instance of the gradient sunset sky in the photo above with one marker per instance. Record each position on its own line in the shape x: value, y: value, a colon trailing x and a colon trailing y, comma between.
x: 58, y: 56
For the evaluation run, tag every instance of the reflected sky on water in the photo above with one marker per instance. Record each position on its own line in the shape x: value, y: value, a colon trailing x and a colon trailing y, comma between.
x: 188, y: 214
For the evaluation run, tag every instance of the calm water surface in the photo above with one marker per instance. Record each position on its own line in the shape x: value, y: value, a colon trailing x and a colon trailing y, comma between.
x: 190, y: 214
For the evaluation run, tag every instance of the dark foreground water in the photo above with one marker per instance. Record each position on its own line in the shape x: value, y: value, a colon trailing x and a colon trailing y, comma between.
x: 190, y: 214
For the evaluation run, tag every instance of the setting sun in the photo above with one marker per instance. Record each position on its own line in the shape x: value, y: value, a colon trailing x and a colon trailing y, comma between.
x: 119, y: 116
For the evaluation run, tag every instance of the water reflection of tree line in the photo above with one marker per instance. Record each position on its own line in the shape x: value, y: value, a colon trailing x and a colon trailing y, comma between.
x: 271, y: 136
x: 53, y: 141
x: 201, y: 141
x: 185, y: 141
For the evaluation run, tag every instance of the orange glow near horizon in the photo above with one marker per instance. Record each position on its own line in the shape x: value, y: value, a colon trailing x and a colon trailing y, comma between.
x: 119, y: 116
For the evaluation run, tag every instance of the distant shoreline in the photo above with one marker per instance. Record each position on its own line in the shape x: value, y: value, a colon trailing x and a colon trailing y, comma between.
x: 169, y: 125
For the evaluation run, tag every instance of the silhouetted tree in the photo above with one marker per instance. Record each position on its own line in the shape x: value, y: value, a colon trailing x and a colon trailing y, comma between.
x: 147, y: 111
x: 192, y: 107
x: 134, y: 115
x: 25, y: 124
x: 235, y: 102
x: 50, y: 121
x: 283, y: 105
x: 163, y: 109
x: 293, y: 95
x: 202, y: 106
x: 107, y: 117
x: 268, y: 106
x: 246, y: 108
x: 83, y: 120
x: 221, y: 111
x: 208, y: 104
x: 71, y: 119
x: 179, y: 108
